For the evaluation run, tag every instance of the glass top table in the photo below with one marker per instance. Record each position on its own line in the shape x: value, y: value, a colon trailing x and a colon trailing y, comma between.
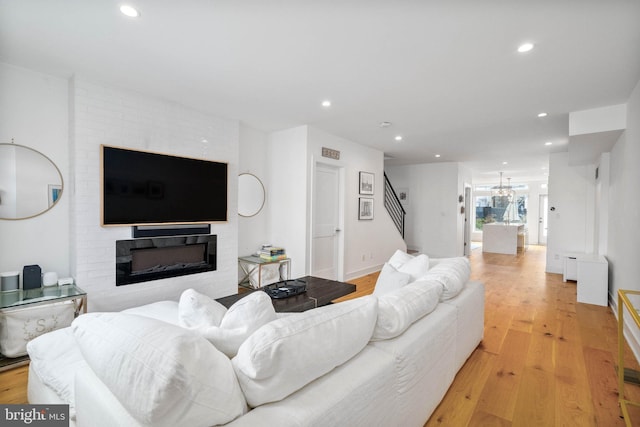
x: 13, y: 300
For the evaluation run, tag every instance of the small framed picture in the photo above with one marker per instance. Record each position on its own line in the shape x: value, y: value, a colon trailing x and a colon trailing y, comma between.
x: 365, y: 210
x: 366, y: 182
x: 54, y: 191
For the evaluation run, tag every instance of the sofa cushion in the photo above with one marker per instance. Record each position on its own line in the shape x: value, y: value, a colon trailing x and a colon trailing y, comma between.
x: 196, y: 309
x: 285, y: 355
x: 416, y: 267
x: 399, y: 258
x: 452, y: 273
x: 399, y: 309
x: 167, y: 311
x: 389, y: 280
x: 241, y: 320
x: 164, y: 375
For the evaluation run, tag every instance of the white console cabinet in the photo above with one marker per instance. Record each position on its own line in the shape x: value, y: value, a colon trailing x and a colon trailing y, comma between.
x: 592, y: 273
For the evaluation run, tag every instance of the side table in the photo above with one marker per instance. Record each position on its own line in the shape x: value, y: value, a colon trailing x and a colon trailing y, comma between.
x: 20, y: 299
x: 631, y: 300
x: 259, y: 272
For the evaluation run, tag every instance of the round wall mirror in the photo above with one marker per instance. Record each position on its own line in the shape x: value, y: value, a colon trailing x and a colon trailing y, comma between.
x: 30, y: 183
x: 251, y: 195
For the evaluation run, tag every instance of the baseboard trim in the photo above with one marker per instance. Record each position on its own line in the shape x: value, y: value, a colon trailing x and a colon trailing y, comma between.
x: 359, y: 273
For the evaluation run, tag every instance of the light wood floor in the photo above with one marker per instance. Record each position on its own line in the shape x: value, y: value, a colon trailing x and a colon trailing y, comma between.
x: 545, y: 360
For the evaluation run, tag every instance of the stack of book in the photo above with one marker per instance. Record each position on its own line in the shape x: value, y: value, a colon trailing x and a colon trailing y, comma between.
x: 271, y: 253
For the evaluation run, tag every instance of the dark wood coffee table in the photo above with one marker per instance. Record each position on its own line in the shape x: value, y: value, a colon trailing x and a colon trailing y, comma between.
x: 319, y: 292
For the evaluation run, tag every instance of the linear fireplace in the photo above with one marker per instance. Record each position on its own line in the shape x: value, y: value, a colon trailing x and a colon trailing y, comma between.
x: 141, y: 260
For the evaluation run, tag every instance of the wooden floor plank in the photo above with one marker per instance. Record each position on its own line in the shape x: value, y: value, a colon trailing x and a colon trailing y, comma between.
x: 501, y: 389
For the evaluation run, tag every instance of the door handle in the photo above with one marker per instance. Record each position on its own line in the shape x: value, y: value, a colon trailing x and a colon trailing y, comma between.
x: 338, y: 230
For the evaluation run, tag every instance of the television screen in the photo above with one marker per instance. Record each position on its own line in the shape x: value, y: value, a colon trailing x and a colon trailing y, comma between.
x: 140, y: 188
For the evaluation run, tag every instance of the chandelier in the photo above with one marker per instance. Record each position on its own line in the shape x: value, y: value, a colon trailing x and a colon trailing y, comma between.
x: 503, y: 199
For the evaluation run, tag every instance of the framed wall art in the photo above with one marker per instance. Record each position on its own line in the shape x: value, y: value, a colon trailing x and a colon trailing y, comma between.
x: 366, y: 182
x: 365, y: 208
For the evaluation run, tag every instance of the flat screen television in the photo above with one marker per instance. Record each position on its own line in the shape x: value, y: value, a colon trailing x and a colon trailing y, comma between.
x: 144, y: 188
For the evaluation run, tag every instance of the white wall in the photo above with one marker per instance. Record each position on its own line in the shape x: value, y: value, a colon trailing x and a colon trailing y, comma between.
x: 253, y: 151
x: 288, y: 191
x: 292, y: 155
x: 34, y: 111
x: 433, y: 222
x: 103, y: 115
x: 368, y: 244
x: 571, y: 223
x: 624, y: 212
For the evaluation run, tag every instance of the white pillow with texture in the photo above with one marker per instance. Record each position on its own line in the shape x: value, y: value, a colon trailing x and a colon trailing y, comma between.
x: 285, y: 355
x: 416, y: 267
x: 241, y: 320
x: 164, y: 375
x: 389, y: 280
x: 399, y: 258
x: 167, y: 311
x: 196, y: 309
x: 399, y: 309
x: 452, y: 273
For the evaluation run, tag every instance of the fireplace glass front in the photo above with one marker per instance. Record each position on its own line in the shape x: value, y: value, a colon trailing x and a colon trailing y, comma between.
x: 141, y: 260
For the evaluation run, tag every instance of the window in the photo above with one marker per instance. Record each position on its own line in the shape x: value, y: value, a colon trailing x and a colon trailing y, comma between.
x: 490, y: 208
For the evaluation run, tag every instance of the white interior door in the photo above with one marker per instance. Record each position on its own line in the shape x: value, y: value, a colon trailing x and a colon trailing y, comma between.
x: 467, y: 221
x: 326, y: 228
x: 543, y: 217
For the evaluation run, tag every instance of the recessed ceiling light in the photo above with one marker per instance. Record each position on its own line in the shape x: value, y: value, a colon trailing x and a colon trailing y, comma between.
x: 525, y: 47
x: 542, y: 115
x: 398, y: 138
x: 437, y: 155
x: 130, y: 11
x: 326, y: 103
x: 548, y: 143
x: 504, y: 163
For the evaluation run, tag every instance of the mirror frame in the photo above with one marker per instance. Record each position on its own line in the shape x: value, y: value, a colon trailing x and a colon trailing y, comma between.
x: 264, y: 196
x: 57, y: 170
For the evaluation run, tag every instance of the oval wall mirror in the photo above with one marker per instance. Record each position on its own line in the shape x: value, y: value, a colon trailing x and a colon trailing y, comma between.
x: 251, y: 195
x: 30, y: 183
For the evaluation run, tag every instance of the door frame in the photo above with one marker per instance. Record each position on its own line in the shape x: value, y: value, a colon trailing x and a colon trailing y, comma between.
x: 340, y: 168
x: 542, y: 213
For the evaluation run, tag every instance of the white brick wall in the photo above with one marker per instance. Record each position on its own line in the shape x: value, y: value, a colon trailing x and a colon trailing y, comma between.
x: 102, y: 115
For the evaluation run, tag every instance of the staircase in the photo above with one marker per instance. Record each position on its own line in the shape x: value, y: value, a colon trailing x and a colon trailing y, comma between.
x: 393, y: 205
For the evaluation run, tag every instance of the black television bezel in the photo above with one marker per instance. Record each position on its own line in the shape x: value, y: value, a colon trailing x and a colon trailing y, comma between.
x: 156, y: 223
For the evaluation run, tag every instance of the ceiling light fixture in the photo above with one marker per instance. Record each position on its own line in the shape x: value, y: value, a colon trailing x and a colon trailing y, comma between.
x: 504, y: 163
x: 525, y: 47
x: 542, y: 115
x: 130, y: 11
x: 398, y: 138
x: 548, y: 143
x: 326, y: 103
x: 437, y: 156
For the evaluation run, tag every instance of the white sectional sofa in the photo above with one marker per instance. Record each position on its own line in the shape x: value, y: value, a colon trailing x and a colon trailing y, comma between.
x: 384, y: 359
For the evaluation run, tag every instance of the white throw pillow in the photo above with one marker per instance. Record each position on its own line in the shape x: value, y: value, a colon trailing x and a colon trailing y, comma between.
x: 164, y: 375
x: 399, y: 258
x: 416, y: 267
x: 452, y: 273
x: 399, y: 309
x: 196, y: 309
x: 285, y: 355
x: 389, y: 280
x: 241, y: 320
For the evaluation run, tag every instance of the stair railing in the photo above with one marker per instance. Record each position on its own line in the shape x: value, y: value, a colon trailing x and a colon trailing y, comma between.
x: 394, y: 206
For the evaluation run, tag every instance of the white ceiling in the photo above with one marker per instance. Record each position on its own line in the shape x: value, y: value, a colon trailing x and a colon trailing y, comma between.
x: 446, y: 74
